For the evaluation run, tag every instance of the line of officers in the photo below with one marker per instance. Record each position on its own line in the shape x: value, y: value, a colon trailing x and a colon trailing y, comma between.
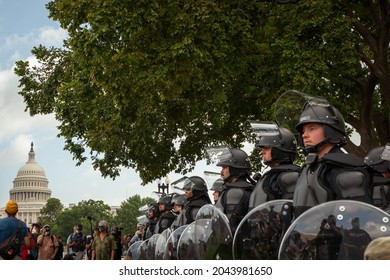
x: 328, y: 174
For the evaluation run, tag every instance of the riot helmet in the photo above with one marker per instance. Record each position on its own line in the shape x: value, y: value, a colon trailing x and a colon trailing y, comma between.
x: 235, y: 158
x: 238, y: 162
x: 218, y: 185
x: 152, y: 211
x: 294, y: 109
x: 195, y: 187
x: 281, y: 141
x: 327, y: 115
x: 195, y: 183
x: 374, y: 159
x: 178, y: 200
x: 166, y: 201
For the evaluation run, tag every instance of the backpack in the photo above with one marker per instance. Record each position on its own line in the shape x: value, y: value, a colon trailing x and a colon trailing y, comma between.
x: 9, y: 248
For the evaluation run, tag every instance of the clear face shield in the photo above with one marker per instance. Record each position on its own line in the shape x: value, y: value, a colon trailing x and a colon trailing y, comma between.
x: 264, y: 134
x: 258, y: 130
x: 292, y: 103
x: 184, y: 185
x: 178, y: 185
x: 217, y: 155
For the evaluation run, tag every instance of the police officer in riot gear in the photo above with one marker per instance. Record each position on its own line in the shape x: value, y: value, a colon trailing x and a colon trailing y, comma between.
x: 278, y: 151
x: 178, y: 202
x: 234, y: 199
x: 166, y: 216
x: 152, y: 214
x: 196, y: 194
x: 217, y: 188
x: 329, y: 173
x: 378, y: 159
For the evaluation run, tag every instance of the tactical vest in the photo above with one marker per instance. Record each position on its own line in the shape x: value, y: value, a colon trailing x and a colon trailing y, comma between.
x: 164, y: 222
x: 283, y: 178
x: 334, y: 177
x: 234, y: 202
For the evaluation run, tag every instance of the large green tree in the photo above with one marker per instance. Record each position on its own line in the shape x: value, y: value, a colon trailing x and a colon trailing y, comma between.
x: 87, y: 213
x: 50, y: 212
x: 149, y: 84
x: 127, y: 214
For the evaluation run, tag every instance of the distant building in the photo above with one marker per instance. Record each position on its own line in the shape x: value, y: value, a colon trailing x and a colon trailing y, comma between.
x: 30, y: 190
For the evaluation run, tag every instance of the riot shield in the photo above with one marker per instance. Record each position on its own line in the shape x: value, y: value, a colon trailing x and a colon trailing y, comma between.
x: 142, y: 250
x: 161, y: 243
x: 186, y: 249
x: 132, y: 252
x: 335, y: 230
x: 151, y: 248
x: 213, y: 237
x: 259, y: 234
x: 171, y: 245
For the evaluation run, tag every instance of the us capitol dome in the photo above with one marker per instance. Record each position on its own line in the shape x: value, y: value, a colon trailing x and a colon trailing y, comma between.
x: 30, y: 190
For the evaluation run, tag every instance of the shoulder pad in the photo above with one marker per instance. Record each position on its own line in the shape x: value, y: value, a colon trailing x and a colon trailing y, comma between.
x: 287, y: 167
x: 344, y: 159
x: 240, y: 184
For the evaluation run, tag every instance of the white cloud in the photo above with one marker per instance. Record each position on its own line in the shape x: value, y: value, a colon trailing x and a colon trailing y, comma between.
x: 13, y: 117
x: 13, y: 154
x: 49, y: 36
x: 14, y: 46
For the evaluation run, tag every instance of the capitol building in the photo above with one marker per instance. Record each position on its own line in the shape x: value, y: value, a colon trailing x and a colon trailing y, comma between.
x: 30, y: 190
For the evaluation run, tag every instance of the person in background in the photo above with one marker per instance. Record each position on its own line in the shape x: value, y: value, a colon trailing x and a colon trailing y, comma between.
x: 9, y: 226
x: 60, y: 252
x: 35, y: 232
x: 68, y: 240
x: 103, y: 246
x: 48, y: 244
x: 77, y: 242
x: 217, y: 188
x: 88, y: 245
x: 137, y: 235
x: 355, y: 241
x: 27, y: 249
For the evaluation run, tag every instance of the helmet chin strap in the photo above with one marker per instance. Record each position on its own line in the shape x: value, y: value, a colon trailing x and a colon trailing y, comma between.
x: 316, y: 148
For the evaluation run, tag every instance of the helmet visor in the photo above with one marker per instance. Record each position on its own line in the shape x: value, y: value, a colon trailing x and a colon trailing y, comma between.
x: 266, y: 134
x: 217, y: 154
x: 291, y: 104
x: 188, y: 185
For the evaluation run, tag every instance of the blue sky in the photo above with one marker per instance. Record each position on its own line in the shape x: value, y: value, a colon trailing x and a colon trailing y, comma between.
x: 23, y: 25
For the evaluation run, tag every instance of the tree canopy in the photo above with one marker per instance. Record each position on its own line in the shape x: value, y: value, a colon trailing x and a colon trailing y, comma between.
x: 87, y: 213
x: 127, y: 214
x: 150, y: 84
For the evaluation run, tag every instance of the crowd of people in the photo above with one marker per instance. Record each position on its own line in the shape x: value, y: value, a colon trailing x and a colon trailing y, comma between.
x: 328, y: 174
